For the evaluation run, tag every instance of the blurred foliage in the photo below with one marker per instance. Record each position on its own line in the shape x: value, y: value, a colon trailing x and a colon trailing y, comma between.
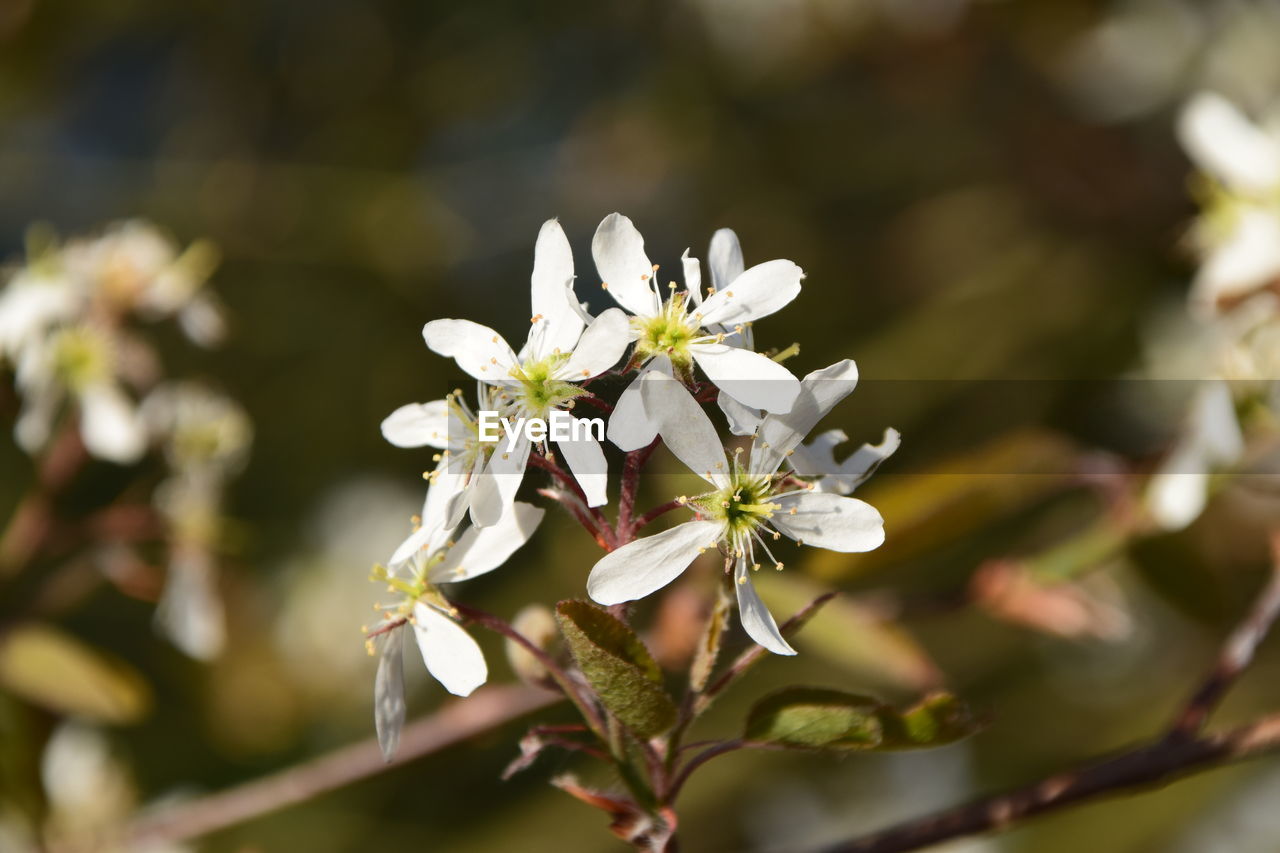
x: 963, y: 213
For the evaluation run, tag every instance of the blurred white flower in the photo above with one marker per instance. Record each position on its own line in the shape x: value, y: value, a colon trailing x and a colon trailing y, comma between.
x: 1210, y: 441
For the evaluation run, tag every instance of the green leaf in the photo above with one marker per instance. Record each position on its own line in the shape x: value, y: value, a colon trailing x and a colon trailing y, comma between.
x: 708, y: 650
x: 819, y: 718
x: 618, y: 667
x: 56, y: 671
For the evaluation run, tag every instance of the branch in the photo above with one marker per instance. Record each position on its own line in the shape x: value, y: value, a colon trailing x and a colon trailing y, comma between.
x: 1182, y: 751
x: 484, y: 710
x: 1148, y: 766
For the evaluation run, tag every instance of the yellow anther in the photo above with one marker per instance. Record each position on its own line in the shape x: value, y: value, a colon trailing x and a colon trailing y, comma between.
x: 495, y: 339
x: 604, y: 285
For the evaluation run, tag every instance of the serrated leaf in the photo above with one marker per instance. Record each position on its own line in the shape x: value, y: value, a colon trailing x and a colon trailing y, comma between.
x: 708, y: 650
x: 618, y: 667
x: 51, y: 669
x: 819, y: 718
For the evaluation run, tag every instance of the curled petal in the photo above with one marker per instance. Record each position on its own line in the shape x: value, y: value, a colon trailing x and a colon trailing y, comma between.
x: 758, y: 292
x: 820, y: 391
x: 750, y: 378
x: 601, y: 346
x: 756, y: 619
x: 725, y: 258
x: 551, y: 289
x: 388, y: 693
x: 684, y: 427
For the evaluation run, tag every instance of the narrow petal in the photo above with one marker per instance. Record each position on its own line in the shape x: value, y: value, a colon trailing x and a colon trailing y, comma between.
x: 190, y: 611
x: 758, y: 292
x: 756, y: 619
x: 451, y: 655
x: 629, y: 427
x: 602, y: 344
x: 1176, y: 497
x: 418, y: 425
x: 725, y: 258
x: 743, y: 420
x: 388, y: 694
x: 479, y: 351
x: 413, y: 543
x: 618, y: 250
x: 820, y: 391
x: 483, y: 549
x: 836, y: 523
x: 818, y: 457
x: 438, y: 513
x: 1224, y: 143
x: 110, y: 425
x: 1215, y: 425
x: 495, y: 489
x: 552, y: 273
x: 586, y: 460
x: 684, y: 427
x: 645, y: 565
x: 750, y: 378
x: 692, y: 278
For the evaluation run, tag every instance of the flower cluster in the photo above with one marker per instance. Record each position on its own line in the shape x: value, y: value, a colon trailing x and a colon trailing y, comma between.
x: 674, y: 347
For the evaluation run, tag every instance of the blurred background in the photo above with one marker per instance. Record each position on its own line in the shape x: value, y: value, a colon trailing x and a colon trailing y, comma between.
x: 990, y: 204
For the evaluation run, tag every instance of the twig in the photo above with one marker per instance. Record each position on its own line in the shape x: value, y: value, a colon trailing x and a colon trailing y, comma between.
x: 484, y: 710
x: 1183, y: 750
x: 626, y: 528
x: 599, y: 527
x: 1148, y: 766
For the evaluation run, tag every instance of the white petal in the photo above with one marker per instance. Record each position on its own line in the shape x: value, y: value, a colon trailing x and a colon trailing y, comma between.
x: 684, y: 427
x: 743, y: 420
x: 438, y: 510
x: 552, y: 274
x: 495, y: 489
x: 388, y: 693
x: 1223, y: 142
x: 629, y: 427
x: 478, y: 350
x: 756, y: 293
x: 110, y: 425
x: 601, y: 346
x: 483, y: 549
x: 203, y: 321
x: 833, y: 522
x: 756, y: 618
x: 418, y: 425
x: 820, y: 391
x: 1249, y: 258
x: 1215, y: 425
x: 586, y: 460
x: 413, y: 543
x: 725, y: 258
x: 618, y: 250
x: 35, y: 420
x: 449, y: 652
x: 645, y: 565
x: 692, y: 278
x: 748, y: 377
x: 190, y: 610
x: 818, y: 457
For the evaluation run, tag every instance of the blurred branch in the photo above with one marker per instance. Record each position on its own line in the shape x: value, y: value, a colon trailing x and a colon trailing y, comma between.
x: 484, y: 710
x: 33, y: 520
x: 1182, y: 751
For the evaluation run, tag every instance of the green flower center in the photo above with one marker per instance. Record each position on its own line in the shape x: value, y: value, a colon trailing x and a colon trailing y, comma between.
x: 539, y: 391
x: 83, y: 357
x: 743, y: 506
x: 668, y: 333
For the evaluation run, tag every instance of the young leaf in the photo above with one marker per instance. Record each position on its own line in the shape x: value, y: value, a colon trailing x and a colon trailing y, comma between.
x: 618, y: 667
x: 818, y: 718
x: 704, y: 657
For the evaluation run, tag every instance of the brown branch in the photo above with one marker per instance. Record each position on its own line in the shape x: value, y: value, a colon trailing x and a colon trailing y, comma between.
x: 484, y: 710
x: 1149, y: 766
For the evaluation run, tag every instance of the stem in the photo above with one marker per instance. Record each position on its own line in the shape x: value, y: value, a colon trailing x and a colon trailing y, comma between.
x: 626, y: 528
x: 599, y: 527
x: 33, y: 520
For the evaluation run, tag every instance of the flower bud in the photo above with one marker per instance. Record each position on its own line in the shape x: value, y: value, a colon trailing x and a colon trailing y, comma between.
x: 538, y: 625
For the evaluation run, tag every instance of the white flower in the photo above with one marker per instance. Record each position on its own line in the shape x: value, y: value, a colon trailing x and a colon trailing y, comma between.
x: 674, y: 333
x: 428, y: 558
x: 1238, y: 234
x: 748, y: 502
x: 1211, y: 440
x: 817, y: 460
x: 541, y: 378
x: 32, y: 303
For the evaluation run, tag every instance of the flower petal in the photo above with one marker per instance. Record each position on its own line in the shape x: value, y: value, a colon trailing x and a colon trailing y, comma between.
x: 483, y: 549
x: 190, y: 611
x: 586, y: 460
x: 743, y: 420
x: 1247, y: 259
x: 758, y: 292
x: 820, y: 391
x: 756, y: 619
x: 645, y: 565
x: 836, y: 523
x: 618, y: 250
x: 817, y: 459
x: 725, y: 258
x: 629, y: 427
x: 495, y: 489
x: 551, y: 290
x: 684, y: 427
x: 600, y: 347
x: 418, y: 425
x: 692, y: 278
x: 110, y: 425
x: 1223, y: 142
x: 451, y: 655
x: 478, y: 350
x: 388, y: 693
x: 748, y: 377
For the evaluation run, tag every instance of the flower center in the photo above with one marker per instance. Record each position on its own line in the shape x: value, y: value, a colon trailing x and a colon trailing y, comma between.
x: 668, y: 333
x: 83, y: 357
x: 743, y: 506
x: 539, y: 391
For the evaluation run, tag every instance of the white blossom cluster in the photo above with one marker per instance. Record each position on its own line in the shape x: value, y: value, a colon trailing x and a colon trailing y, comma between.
x: 673, y: 346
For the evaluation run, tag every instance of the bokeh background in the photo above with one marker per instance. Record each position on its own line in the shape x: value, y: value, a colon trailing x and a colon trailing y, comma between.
x: 989, y: 202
